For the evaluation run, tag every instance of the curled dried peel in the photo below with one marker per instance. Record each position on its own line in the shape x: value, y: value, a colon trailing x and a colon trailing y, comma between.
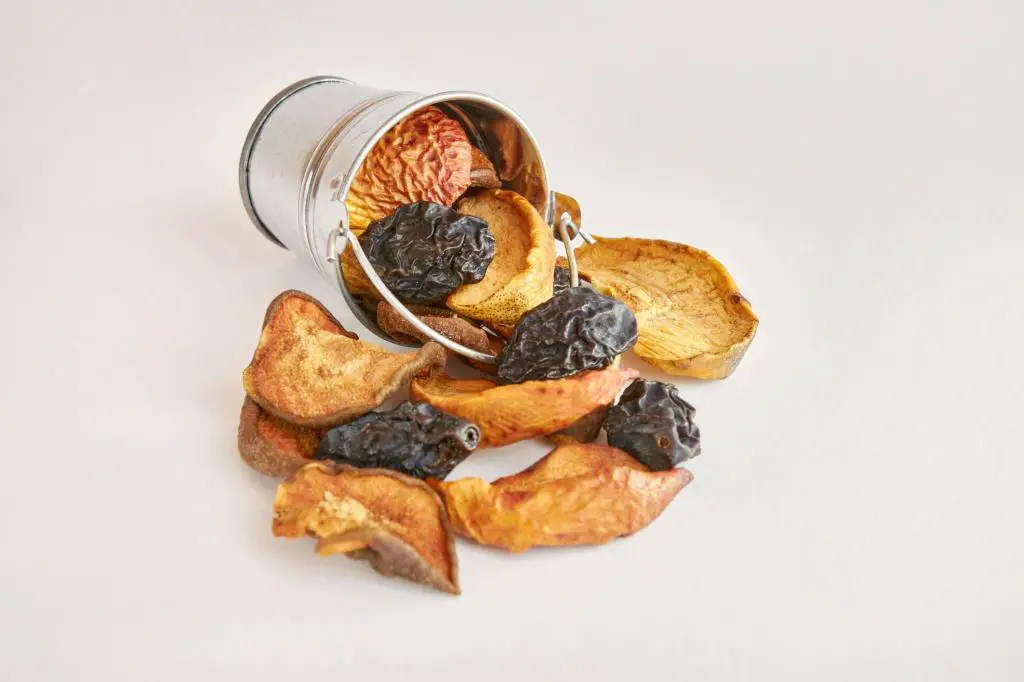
x: 442, y: 321
x: 307, y: 373
x: 515, y: 412
x: 579, y: 494
x: 396, y: 522
x: 693, y: 320
x: 425, y: 157
x: 522, y: 272
x: 273, y: 446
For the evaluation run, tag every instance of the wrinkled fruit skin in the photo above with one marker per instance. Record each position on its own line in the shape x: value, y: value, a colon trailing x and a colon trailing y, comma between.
x: 655, y: 425
x: 425, y: 251
x: 577, y: 330
x: 563, y: 282
x: 414, y: 439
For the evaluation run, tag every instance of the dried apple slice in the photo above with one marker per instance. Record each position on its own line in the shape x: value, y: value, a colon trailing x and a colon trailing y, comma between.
x: 396, y: 522
x: 273, y: 446
x: 693, y: 320
x: 507, y: 414
x: 481, y: 172
x: 523, y: 270
x: 308, y: 371
x: 579, y: 494
x: 440, y: 320
x: 425, y: 157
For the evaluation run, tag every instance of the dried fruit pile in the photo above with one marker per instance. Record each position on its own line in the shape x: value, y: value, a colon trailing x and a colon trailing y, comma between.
x: 369, y: 482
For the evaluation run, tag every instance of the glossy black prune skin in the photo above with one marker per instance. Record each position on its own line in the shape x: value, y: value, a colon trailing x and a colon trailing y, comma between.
x: 577, y: 330
x: 414, y: 439
x: 425, y: 251
x: 653, y: 424
x: 563, y: 282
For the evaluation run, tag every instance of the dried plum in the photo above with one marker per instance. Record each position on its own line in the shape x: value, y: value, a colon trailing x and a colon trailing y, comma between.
x: 414, y: 439
x: 654, y: 424
x: 425, y: 251
x: 577, y: 330
x: 563, y: 281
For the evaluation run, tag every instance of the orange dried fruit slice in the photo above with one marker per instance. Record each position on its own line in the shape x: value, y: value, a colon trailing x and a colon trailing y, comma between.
x: 693, y: 320
x: 425, y: 157
x: 515, y: 412
x: 522, y: 272
x: 309, y: 371
x: 273, y: 446
x: 394, y: 521
x: 579, y: 494
x: 440, y: 320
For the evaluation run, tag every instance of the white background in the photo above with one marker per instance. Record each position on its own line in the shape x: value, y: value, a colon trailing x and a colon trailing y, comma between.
x: 856, y: 514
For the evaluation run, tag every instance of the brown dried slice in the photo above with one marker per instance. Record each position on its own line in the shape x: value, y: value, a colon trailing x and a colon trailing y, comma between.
x: 396, y: 522
x: 514, y: 412
x: 425, y: 157
x: 481, y: 172
x: 440, y: 320
x: 305, y: 372
x: 693, y: 320
x: 273, y: 446
x: 579, y: 494
x: 522, y: 273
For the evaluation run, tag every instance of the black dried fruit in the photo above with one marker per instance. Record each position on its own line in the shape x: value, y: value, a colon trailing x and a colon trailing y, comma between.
x: 563, y: 281
x: 654, y: 424
x: 425, y: 251
x: 576, y: 330
x: 414, y: 439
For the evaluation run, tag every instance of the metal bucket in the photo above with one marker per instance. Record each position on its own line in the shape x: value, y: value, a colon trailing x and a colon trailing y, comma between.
x: 304, y: 149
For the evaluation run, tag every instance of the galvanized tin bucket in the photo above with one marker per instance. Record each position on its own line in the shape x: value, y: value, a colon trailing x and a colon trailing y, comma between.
x: 304, y: 149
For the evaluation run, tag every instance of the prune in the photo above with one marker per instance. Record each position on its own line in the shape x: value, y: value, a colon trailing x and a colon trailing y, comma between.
x: 563, y: 282
x: 576, y: 330
x: 655, y: 425
x: 425, y: 251
x: 414, y: 439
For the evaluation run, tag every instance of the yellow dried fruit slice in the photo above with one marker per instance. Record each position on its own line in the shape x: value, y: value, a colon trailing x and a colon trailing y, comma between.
x: 396, y: 522
x: 693, y: 320
x: 579, y: 494
x: 440, y: 320
x: 425, y: 157
x: 273, y: 446
x: 521, y: 276
x: 308, y: 371
x: 515, y: 412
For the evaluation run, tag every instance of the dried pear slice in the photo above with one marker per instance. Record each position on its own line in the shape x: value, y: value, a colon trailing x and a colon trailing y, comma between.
x: 425, y: 157
x: 398, y: 523
x: 308, y: 371
x: 523, y: 270
x: 693, y: 320
x: 578, y: 494
x: 440, y: 320
x: 515, y: 412
x: 273, y: 446
x: 481, y: 172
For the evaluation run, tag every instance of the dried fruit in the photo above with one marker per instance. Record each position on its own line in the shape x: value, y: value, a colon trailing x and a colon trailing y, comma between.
x: 693, y: 320
x: 309, y: 371
x: 577, y: 330
x: 440, y: 320
x: 425, y: 157
x: 272, y: 446
x: 585, y: 430
x: 413, y: 439
x: 423, y: 251
x: 506, y: 414
x: 654, y: 424
x: 522, y: 272
x: 396, y: 522
x: 563, y: 281
x: 481, y: 172
x: 581, y: 494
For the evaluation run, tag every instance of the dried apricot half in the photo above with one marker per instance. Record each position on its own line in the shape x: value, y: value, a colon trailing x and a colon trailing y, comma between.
x: 579, y: 494
x: 396, y: 522
x: 309, y: 371
x: 693, y: 320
